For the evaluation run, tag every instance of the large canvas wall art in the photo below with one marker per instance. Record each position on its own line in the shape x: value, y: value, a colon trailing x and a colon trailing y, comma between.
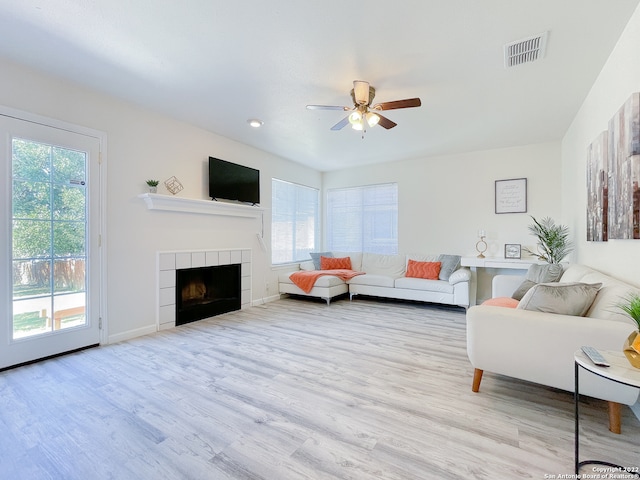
x: 613, y: 177
x: 624, y: 148
x: 597, y: 191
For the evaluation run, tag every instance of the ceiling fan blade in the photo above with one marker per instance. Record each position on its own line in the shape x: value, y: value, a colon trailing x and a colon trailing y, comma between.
x: 341, y: 124
x: 407, y: 103
x: 384, y: 122
x: 327, y: 107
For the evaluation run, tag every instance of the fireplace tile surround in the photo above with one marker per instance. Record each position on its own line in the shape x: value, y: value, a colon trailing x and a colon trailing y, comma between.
x: 170, y: 261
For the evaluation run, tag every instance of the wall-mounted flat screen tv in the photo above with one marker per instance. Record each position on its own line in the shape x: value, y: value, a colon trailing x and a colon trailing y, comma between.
x: 230, y: 181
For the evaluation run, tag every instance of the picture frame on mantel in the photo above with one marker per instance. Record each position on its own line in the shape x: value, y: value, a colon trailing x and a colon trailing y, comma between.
x: 512, y: 250
x: 511, y: 195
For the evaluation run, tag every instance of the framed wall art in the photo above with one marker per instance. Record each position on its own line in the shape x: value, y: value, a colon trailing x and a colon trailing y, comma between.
x: 598, y: 189
x: 624, y: 172
x: 511, y: 195
x: 613, y: 177
x: 512, y: 250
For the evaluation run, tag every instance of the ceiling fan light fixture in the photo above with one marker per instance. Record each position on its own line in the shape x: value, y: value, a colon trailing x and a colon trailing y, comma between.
x: 364, y: 114
x: 372, y: 119
x: 361, y: 92
x: 355, y: 119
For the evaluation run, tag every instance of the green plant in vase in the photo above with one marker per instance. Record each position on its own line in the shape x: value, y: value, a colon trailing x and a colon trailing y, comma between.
x: 632, y: 308
x: 553, y: 240
x: 631, y: 347
x: 153, y: 185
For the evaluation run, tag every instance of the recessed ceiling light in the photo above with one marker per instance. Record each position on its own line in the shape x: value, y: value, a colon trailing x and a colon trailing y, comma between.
x: 255, y: 123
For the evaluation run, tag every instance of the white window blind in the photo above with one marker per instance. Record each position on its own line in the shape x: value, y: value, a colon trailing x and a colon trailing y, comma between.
x: 294, y: 221
x: 363, y: 219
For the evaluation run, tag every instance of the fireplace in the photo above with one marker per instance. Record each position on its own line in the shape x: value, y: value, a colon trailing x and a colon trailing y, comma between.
x: 206, y: 291
x: 170, y: 262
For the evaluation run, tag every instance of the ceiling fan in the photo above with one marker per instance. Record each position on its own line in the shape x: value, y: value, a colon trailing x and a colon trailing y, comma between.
x: 364, y: 114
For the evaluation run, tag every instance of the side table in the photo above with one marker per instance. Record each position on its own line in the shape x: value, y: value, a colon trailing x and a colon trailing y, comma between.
x: 620, y: 371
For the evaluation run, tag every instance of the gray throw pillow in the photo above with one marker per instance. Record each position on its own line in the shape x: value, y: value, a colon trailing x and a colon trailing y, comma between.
x: 522, y: 289
x: 561, y: 298
x: 315, y: 256
x: 448, y: 265
x: 550, y: 272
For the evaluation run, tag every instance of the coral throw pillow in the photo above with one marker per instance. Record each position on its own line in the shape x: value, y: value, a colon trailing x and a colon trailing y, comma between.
x: 328, y: 263
x: 428, y: 270
x: 502, y: 302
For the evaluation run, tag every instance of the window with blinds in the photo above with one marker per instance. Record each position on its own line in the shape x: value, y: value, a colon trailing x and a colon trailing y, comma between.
x: 295, y: 221
x: 363, y: 219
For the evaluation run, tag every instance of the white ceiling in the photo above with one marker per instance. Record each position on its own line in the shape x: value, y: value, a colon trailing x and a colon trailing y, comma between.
x: 217, y: 63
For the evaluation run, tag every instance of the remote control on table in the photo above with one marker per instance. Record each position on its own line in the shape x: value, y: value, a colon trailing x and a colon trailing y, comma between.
x: 595, y: 356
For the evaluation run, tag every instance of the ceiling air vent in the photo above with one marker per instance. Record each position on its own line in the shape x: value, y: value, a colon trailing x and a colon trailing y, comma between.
x: 525, y: 50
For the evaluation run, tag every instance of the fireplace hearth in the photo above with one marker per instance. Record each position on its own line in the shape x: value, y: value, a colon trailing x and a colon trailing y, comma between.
x: 206, y: 292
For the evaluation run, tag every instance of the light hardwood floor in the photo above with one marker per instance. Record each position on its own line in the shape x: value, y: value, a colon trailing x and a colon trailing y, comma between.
x: 294, y: 389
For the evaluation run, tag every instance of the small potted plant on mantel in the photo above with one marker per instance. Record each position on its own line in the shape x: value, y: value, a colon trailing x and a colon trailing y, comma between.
x: 631, y: 348
x: 153, y: 185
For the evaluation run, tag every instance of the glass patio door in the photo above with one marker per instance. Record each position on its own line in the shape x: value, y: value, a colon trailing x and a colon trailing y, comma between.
x: 52, y: 280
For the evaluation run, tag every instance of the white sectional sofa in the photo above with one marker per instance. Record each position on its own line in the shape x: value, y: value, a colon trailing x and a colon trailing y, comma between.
x: 538, y: 346
x: 326, y: 287
x: 385, y: 276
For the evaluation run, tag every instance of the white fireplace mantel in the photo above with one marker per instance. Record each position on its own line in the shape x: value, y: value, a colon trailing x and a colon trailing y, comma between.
x: 157, y: 201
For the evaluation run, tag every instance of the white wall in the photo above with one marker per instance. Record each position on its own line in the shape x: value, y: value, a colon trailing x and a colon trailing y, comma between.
x: 444, y: 201
x: 142, y: 145
x: 619, y: 78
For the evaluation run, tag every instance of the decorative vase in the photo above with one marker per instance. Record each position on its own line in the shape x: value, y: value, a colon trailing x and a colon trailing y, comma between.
x: 631, y: 349
x: 153, y: 189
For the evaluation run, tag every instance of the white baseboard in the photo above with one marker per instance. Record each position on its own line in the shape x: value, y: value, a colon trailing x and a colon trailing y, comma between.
x: 138, y: 332
x: 129, y: 334
x: 263, y: 300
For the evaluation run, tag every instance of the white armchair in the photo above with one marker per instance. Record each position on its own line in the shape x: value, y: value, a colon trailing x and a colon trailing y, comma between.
x: 538, y: 346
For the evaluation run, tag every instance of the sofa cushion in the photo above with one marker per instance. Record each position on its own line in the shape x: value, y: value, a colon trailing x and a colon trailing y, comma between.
x: 422, y: 257
x: 523, y: 288
x: 428, y: 270
x: 315, y: 256
x: 331, y: 263
x: 284, y: 277
x: 550, y: 272
x: 379, y: 264
x: 546, y: 273
x: 576, y: 273
x: 424, y: 285
x: 356, y: 259
x: 460, y: 275
x: 307, y: 266
x: 323, y: 281
x: 610, y: 295
x: 561, y: 298
x: 450, y: 263
x: 613, y: 291
x: 372, y: 280
x: 508, y: 302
